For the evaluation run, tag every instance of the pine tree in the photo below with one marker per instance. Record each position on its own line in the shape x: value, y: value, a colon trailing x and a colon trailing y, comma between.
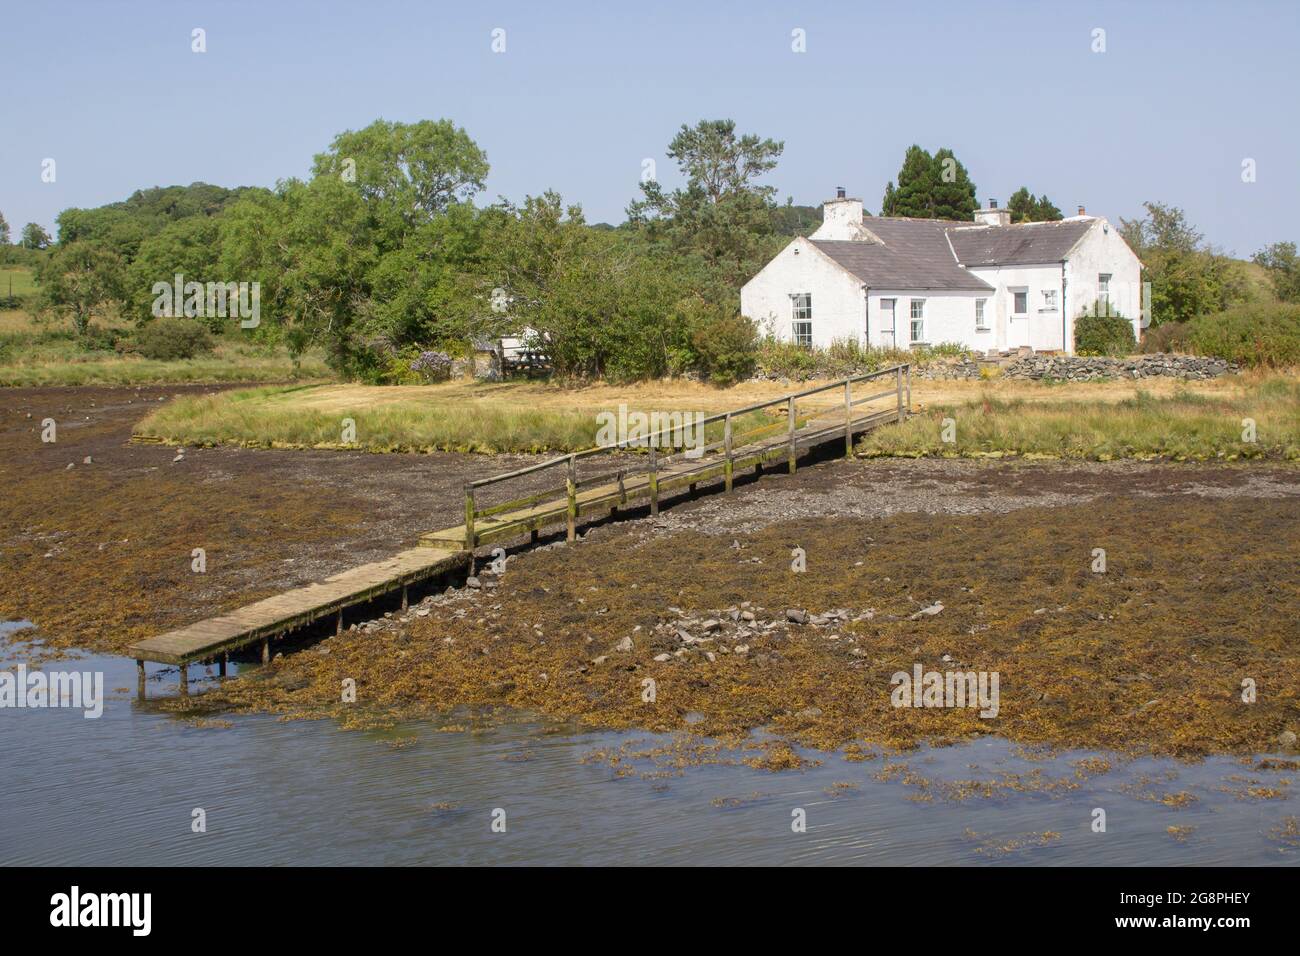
x: 1025, y: 208
x: 954, y: 193
x: 917, y: 180
x: 4, y: 230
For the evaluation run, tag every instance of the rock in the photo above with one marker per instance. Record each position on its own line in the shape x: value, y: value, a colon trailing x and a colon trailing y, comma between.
x: 422, y: 612
x: 473, y: 582
x: 663, y: 657
x: 742, y: 649
x: 810, y: 712
x: 600, y: 660
x: 711, y: 625
x: 624, y: 645
x: 1287, y: 739
x: 747, y: 615
x: 796, y: 616
x: 930, y: 611
x: 87, y: 460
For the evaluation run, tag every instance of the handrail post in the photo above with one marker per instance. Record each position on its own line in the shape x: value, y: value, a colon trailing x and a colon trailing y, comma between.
x: 898, y: 385
x: 622, y: 491
x: 908, y: 406
x: 654, y: 481
x: 726, y: 441
x: 571, y: 485
x: 790, y: 416
x: 470, y: 541
x: 848, y: 420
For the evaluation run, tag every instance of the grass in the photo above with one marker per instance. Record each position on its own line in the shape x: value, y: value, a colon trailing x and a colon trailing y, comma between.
x: 465, y: 417
x: 36, y: 353
x: 1185, y: 425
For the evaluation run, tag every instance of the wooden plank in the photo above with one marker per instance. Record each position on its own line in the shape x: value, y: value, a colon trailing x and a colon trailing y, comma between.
x: 275, y: 614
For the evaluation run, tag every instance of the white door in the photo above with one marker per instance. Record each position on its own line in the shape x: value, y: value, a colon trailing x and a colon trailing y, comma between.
x: 887, y: 325
x: 1017, y: 317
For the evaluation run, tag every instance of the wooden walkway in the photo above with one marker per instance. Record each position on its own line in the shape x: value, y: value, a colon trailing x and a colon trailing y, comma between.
x: 674, y: 458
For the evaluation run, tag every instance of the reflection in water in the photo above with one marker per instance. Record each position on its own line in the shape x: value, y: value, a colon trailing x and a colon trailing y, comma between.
x: 121, y: 790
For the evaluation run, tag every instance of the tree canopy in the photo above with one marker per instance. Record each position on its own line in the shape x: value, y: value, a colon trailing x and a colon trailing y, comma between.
x: 1024, y: 207
x: 930, y: 187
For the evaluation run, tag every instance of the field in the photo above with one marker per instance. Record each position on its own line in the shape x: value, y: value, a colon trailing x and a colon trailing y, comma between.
x: 1126, y: 419
x: 41, y: 352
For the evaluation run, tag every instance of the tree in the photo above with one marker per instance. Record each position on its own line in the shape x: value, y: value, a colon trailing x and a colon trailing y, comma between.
x: 414, y: 170
x: 723, y: 220
x: 4, y: 230
x: 954, y: 193
x: 34, y: 237
x: 1187, y: 278
x: 1025, y: 208
x: 79, y: 279
x: 930, y: 187
x: 1283, y: 267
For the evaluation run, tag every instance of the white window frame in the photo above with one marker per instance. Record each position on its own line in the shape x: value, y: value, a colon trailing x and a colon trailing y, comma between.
x: 1015, y: 291
x: 915, y: 306
x: 801, y: 319
x: 1103, y: 290
x: 1049, y: 300
x: 981, y: 315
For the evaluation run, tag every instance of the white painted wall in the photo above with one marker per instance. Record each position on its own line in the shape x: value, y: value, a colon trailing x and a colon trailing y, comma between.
x: 839, y: 310
x: 948, y: 317
x: 1103, y: 250
x: 1038, y: 327
x: 842, y: 309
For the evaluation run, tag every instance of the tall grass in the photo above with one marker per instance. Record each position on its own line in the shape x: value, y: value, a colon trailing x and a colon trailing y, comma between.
x: 845, y: 357
x: 272, y: 417
x: 1184, y: 426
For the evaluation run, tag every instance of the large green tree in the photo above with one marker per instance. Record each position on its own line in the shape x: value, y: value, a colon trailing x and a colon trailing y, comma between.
x: 79, y: 280
x: 930, y: 187
x: 1024, y: 207
x: 1188, y: 278
x: 723, y: 220
x: 1283, y: 269
x: 34, y: 237
x: 4, y: 230
x: 413, y: 170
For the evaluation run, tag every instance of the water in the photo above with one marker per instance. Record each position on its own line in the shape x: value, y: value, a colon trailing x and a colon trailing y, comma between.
x: 121, y: 790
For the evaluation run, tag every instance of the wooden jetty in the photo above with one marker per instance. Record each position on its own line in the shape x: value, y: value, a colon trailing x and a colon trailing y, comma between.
x: 669, y: 458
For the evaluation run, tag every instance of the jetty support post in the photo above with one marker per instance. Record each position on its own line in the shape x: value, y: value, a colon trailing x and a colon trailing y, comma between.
x: 139, y: 678
x: 470, y: 541
x: 848, y: 420
x: 185, y: 680
x: 571, y: 486
x: 338, y: 623
x: 726, y: 441
x: 406, y: 597
x: 222, y: 663
x: 790, y: 416
x: 654, y: 481
x: 266, y: 650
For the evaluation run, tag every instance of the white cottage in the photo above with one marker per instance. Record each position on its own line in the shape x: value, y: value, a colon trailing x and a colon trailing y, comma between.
x: 987, y: 284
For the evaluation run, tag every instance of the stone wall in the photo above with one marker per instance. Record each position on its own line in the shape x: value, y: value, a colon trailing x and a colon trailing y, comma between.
x: 1077, y: 368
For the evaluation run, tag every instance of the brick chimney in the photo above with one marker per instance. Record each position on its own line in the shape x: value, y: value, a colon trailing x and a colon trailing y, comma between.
x: 993, y: 216
x: 1082, y: 211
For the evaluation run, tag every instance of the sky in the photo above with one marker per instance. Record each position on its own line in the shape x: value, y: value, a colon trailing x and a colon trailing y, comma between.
x: 1183, y: 94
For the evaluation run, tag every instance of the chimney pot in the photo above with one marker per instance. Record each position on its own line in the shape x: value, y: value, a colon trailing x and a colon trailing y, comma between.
x: 993, y: 204
x: 839, y: 192
x: 1081, y: 211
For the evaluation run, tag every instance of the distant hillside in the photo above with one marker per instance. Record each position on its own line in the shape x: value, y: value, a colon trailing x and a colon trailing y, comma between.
x: 146, y: 212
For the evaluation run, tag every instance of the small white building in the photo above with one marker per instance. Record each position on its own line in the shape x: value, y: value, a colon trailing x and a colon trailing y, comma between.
x: 987, y: 284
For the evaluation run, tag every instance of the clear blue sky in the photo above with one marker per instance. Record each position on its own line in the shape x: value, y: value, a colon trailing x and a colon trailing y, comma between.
x: 585, y: 91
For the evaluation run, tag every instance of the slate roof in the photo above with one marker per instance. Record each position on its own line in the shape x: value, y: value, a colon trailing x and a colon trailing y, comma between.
x: 932, y: 253
x: 1030, y: 243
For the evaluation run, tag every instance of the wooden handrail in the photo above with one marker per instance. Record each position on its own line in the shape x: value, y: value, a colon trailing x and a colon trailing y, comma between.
x: 655, y: 439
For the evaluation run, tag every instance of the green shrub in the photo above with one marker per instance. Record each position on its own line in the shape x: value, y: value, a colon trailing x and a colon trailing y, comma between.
x: 1101, y: 330
x: 726, y: 347
x: 1168, y: 337
x: 1252, y: 335
x: 168, y: 340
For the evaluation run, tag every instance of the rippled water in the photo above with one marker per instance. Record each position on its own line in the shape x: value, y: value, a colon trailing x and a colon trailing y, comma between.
x: 121, y: 790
